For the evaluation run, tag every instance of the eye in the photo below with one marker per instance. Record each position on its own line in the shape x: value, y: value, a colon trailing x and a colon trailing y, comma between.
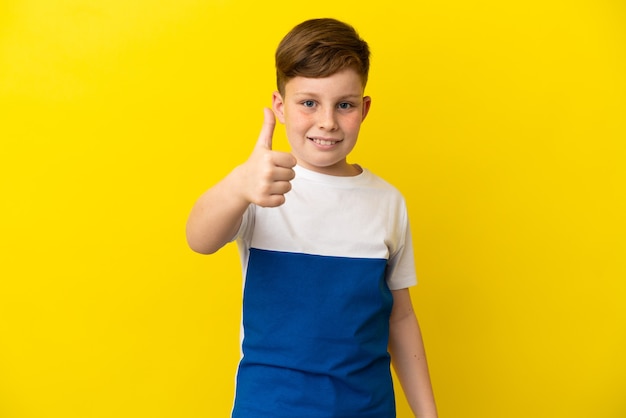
x: 308, y: 103
x: 344, y: 105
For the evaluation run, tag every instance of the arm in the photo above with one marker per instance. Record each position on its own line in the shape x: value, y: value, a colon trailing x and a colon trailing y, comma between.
x: 263, y: 180
x: 409, y: 357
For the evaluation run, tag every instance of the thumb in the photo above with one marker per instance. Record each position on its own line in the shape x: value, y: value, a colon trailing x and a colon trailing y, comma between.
x: 267, y: 131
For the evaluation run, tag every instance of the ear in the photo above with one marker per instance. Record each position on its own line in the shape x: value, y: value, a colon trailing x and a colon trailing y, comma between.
x: 367, y: 102
x: 278, y: 104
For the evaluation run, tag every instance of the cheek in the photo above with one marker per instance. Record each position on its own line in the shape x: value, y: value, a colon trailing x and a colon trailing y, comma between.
x: 352, y: 124
x: 297, y: 121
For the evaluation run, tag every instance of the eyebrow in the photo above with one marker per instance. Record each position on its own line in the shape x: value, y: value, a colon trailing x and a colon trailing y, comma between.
x: 311, y: 94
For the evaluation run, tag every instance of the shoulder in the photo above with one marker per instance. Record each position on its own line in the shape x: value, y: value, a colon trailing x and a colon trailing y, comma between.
x: 376, y: 182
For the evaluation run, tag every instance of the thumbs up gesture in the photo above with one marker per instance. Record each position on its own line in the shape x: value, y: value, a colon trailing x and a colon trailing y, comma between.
x: 267, y: 173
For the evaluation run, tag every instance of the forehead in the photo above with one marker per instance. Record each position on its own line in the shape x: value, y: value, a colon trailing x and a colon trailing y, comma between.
x: 341, y: 84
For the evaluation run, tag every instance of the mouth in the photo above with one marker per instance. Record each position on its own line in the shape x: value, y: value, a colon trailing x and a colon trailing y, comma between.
x: 324, y: 141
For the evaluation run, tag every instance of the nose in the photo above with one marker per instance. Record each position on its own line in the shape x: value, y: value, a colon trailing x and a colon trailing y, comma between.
x: 327, y: 119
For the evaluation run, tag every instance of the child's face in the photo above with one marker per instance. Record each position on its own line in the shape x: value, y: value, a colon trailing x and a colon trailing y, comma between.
x: 322, y: 118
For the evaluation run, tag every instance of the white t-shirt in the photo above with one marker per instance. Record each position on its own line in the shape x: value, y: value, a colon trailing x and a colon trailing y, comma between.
x: 318, y: 271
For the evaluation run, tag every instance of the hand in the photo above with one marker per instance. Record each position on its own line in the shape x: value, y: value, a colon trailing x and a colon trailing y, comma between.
x: 267, y: 173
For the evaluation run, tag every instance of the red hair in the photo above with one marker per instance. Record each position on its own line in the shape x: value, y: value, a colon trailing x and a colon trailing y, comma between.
x: 319, y: 48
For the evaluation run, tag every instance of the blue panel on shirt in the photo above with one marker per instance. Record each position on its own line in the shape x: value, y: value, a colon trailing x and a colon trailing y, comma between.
x: 315, y: 338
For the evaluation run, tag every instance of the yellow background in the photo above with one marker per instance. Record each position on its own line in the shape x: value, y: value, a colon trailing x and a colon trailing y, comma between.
x: 503, y: 123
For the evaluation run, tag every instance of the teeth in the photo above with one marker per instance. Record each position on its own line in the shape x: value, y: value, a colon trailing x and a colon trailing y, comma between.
x: 323, y: 142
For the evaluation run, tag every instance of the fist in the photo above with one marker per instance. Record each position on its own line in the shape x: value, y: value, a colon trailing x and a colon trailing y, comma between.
x: 268, y: 173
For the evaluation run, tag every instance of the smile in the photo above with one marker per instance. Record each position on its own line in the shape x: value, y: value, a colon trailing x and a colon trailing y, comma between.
x: 326, y: 142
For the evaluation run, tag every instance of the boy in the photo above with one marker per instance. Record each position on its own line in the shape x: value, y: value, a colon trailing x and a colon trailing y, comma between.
x: 325, y: 247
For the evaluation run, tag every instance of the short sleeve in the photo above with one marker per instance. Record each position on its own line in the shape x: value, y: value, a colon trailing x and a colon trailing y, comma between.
x: 401, y: 266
